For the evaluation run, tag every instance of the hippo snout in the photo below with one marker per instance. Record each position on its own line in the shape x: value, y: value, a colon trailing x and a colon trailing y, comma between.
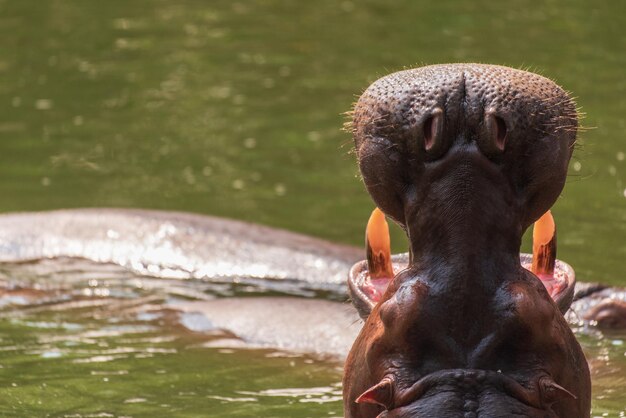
x: 406, y: 120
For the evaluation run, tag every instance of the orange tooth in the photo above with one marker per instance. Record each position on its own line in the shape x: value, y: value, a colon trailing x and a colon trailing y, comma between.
x: 544, y: 245
x: 378, y: 246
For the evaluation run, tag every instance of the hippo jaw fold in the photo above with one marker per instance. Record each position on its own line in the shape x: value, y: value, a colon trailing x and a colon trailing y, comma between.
x: 467, y: 392
x: 464, y: 158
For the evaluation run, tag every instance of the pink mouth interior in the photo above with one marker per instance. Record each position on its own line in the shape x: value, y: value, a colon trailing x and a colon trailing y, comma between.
x: 554, y: 284
x: 375, y: 288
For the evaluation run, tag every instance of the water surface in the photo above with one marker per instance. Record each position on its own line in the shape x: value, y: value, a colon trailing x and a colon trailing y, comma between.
x: 90, y: 340
x: 234, y: 109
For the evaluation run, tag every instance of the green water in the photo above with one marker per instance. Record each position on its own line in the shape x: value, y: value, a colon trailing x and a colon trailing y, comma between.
x: 109, y: 373
x: 99, y: 341
x: 234, y: 109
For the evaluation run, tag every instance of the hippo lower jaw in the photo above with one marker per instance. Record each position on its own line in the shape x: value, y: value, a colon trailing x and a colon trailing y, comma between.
x: 365, y: 292
x: 472, y: 393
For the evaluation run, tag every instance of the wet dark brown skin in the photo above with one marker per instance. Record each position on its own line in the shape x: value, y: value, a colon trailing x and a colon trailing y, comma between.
x: 600, y: 305
x: 465, y: 158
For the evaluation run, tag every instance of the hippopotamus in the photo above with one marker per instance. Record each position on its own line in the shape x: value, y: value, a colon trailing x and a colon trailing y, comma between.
x: 464, y: 157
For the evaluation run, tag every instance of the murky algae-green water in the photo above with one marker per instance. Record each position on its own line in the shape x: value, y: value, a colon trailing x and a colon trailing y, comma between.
x: 97, y: 341
x: 233, y: 109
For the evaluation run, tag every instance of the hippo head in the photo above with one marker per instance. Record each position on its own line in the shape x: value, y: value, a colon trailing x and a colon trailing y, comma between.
x: 465, y: 158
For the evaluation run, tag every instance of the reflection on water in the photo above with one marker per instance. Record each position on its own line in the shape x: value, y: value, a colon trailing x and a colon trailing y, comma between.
x: 79, y: 337
x: 606, y: 354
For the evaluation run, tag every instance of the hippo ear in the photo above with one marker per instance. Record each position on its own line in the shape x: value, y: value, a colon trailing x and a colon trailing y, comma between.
x: 380, y: 394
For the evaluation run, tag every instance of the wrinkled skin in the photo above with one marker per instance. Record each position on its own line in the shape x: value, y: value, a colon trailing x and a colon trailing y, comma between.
x: 465, y: 158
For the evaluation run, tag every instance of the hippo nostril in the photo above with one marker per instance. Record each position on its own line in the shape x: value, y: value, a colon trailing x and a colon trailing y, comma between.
x: 429, y: 135
x: 501, y: 132
x: 433, y: 127
x: 496, y: 130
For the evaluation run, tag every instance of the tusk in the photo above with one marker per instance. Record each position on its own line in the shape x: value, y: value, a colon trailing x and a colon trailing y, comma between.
x: 378, y: 246
x: 544, y: 245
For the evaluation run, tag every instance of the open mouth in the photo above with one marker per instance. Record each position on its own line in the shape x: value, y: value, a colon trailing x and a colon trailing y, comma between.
x: 368, y: 279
